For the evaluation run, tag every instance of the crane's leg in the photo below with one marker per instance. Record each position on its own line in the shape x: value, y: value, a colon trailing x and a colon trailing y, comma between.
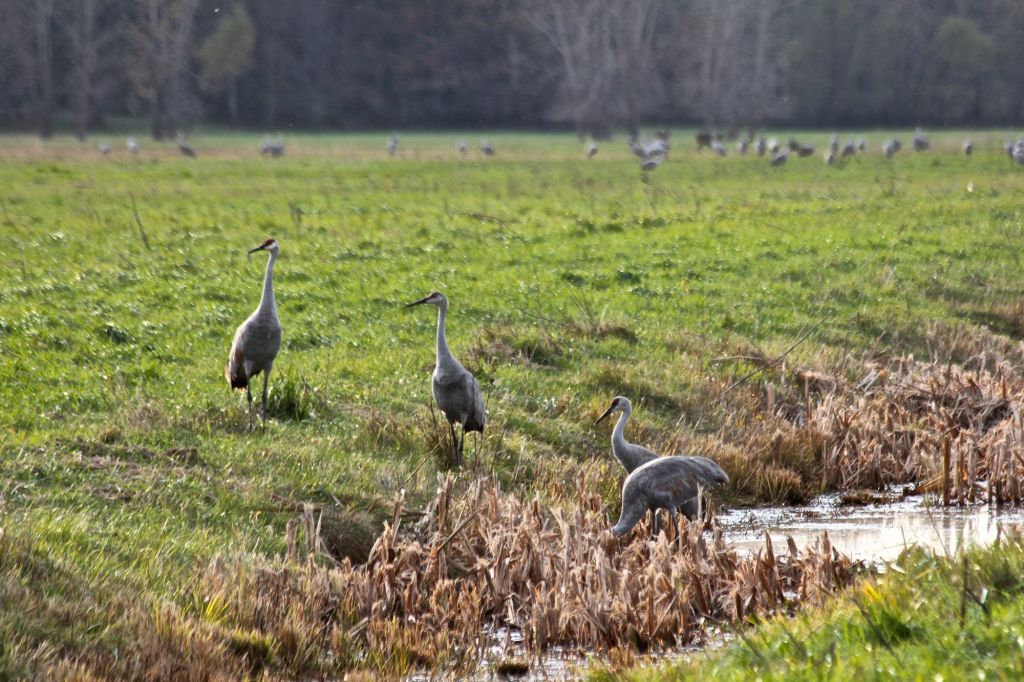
x: 462, y: 442
x: 263, y: 402
x: 655, y: 523
x: 455, y: 442
x: 248, y: 397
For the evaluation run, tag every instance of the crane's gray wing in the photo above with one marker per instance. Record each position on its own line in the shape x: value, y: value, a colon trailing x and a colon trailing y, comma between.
x: 708, y: 472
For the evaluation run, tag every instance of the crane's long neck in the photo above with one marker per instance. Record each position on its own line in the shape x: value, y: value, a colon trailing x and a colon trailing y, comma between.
x: 444, y: 356
x: 267, y: 304
x: 622, y: 449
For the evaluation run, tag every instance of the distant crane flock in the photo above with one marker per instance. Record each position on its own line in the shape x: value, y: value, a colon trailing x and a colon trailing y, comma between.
x: 652, y: 153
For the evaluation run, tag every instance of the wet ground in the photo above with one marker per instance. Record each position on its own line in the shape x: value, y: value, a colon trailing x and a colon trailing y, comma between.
x: 874, y: 533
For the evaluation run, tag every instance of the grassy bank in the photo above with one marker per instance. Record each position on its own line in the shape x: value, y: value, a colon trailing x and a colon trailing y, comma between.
x: 126, y: 458
x: 928, y: 618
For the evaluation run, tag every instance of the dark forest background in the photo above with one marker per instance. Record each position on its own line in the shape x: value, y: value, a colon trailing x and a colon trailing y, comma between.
x: 591, y: 64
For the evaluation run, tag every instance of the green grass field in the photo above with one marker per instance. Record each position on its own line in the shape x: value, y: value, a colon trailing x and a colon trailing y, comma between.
x: 125, y: 459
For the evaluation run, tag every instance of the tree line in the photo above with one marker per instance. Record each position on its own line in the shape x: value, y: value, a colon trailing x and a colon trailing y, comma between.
x: 592, y: 64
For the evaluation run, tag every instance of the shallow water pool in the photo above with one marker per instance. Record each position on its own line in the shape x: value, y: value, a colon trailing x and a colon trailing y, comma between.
x: 873, y: 532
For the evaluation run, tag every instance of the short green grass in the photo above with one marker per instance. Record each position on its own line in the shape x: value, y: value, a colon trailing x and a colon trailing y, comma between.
x: 570, y: 281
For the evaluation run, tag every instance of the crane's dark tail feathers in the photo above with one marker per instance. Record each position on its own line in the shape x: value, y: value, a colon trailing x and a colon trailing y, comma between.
x: 235, y: 372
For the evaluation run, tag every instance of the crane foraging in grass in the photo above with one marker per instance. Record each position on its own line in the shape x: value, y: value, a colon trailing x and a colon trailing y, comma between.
x: 258, y: 339
x: 455, y: 388
x: 671, y: 483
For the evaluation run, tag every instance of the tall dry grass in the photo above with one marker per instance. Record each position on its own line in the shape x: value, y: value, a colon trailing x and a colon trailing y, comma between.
x: 951, y: 428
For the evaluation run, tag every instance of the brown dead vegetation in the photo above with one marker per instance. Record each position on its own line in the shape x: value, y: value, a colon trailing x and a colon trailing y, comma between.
x: 479, y: 557
x: 954, y: 429
x: 424, y: 597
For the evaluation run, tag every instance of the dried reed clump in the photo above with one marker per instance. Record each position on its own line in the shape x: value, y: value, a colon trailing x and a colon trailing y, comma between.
x: 947, y: 428
x: 480, y: 557
x: 972, y: 346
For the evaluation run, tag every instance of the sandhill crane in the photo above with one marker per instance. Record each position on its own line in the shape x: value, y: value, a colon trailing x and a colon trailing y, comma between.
x: 455, y: 388
x: 717, y: 147
x: 132, y: 145
x: 861, y: 145
x: 670, y: 483
x: 919, y: 141
x: 462, y: 146
x: 1008, y: 147
x: 803, y: 151
x: 271, y: 147
x: 891, y: 147
x: 833, y: 143
x: 393, y: 144
x: 780, y: 159
x: 591, y: 150
x: 703, y: 139
x: 968, y: 148
x: 849, y: 149
x: 105, y: 149
x: 631, y: 455
x: 184, y: 147
x: 1017, y: 154
x: 660, y: 147
x: 773, y: 146
x: 830, y: 157
x: 743, y: 145
x: 762, y: 146
x: 487, y: 148
x: 258, y: 339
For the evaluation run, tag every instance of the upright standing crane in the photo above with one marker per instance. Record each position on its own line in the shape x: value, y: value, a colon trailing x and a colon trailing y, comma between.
x: 455, y: 388
x: 258, y: 339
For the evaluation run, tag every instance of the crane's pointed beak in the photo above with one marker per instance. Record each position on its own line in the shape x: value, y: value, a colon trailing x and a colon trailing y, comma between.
x: 419, y: 302
x: 258, y: 248
x: 602, y: 417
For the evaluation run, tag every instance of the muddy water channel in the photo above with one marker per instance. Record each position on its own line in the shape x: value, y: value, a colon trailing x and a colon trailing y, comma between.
x: 874, y: 533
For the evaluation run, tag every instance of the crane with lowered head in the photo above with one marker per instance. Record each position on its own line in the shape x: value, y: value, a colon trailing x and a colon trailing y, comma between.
x: 674, y: 483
